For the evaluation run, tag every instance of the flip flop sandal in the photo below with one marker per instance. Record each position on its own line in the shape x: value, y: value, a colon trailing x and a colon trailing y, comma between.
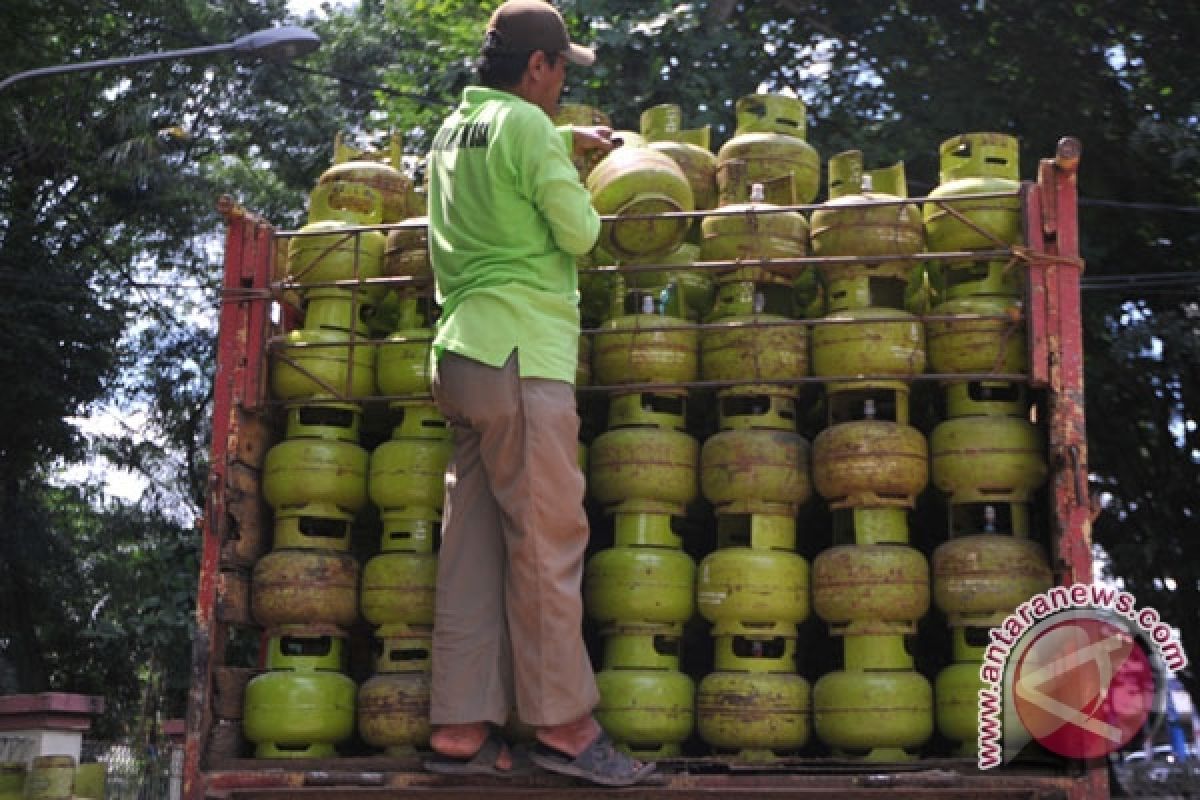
x: 600, y: 762
x: 483, y: 762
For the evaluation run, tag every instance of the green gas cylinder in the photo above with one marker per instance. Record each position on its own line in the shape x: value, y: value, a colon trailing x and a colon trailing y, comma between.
x: 303, y: 705
x: 770, y: 138
x: 862, y: 218
x: 640, y: 182
x: 975, y: 164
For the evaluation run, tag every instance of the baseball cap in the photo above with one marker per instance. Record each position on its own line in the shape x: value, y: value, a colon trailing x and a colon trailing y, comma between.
x: 528, y: 25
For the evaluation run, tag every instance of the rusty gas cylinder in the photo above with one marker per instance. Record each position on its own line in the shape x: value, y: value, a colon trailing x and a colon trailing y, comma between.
x: 305, y: 586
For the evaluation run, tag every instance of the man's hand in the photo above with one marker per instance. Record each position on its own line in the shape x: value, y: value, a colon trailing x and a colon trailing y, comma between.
x: 592, y: 139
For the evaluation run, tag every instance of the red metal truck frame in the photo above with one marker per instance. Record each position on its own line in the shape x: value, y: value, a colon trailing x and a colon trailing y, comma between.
x: 1053, y: 316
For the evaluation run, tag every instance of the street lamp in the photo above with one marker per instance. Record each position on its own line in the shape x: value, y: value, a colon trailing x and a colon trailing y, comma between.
x: 275, y: 44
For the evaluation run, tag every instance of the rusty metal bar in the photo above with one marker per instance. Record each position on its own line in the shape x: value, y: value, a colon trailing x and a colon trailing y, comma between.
x: 258, y: 267
x: 764, y: 208
x: 881, y: 782
x: 1067, y: 426
x: 238, y: 379
x: 1056, y: 351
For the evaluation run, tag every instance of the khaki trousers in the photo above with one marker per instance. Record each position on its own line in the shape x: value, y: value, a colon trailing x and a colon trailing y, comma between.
x: 509, y: 613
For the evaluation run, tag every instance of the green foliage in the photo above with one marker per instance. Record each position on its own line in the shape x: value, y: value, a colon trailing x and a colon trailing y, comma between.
x: 120, y: 582
x: 106, y: 210
x: 1145, y: 466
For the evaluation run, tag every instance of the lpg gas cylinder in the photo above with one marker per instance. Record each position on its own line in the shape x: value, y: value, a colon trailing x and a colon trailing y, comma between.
x: 640, y: 182
x: 303, y: 705
x: 320, y: 469
x: 749, y: 585
x: 649, y: 712
x: 331, y: 356
x: 750, y: 339
x: 305, y: 586
x: 584, y: 116
x: 640, y: 584
x: 743, y: 465
x: 870, y: 588
x: 975, y: 164
x: 662, y: 127
x: 957, y: 687
x: 331, y: 250
x: 864, y: 219
x: 754, y: 704
x: 323, y: 364
x: 868, y: 341
x: 406, y: 254
x: 654, y: 345
x: 986, y: 335
x: 870, y: 462
x: 407, y: 473
x: 378, y: 170
x: 749, y: 228
x: 981, y: 578
x: 981, y: 459
x: 756, y: 715
x: 398, y: 587
x: 402, y: 361
x: 334, y: 248
x: 393, y: 705
x: 644, y: 469
x: 769, y: 137
x: 878, y: 708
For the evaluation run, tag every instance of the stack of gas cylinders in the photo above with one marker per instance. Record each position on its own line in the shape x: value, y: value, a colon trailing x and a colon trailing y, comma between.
x: 870, y: 464
x: 987, y: 455
x: 643, y: 471
x: 723, y: 326
x: 307, y: 592
x: 407, y: 485
x: 754, y: 587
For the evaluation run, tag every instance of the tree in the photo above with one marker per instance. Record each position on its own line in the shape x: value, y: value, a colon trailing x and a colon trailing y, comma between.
x: 123, y: 583
x: 109, y: 286
x: 106, y: 209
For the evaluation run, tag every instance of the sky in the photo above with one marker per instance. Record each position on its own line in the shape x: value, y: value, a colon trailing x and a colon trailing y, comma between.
x: 122, y: 483
x: 303, y: 7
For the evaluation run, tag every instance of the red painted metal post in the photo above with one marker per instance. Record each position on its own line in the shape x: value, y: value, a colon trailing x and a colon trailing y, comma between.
x: 237, y: 382
x: 1056, y: 325
x: 1062, y: 269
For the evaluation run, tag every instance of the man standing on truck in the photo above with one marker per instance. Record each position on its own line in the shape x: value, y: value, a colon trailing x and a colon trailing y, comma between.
x: 507, y: 218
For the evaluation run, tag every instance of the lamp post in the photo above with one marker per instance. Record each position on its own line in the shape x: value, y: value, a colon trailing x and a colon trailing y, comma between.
x: 276, y: 44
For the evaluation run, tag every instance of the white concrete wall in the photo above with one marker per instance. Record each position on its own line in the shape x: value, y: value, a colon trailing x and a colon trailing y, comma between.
x: 44, y: 743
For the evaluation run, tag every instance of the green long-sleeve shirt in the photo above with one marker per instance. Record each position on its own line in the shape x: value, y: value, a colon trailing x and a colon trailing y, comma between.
x: 507, y: 217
